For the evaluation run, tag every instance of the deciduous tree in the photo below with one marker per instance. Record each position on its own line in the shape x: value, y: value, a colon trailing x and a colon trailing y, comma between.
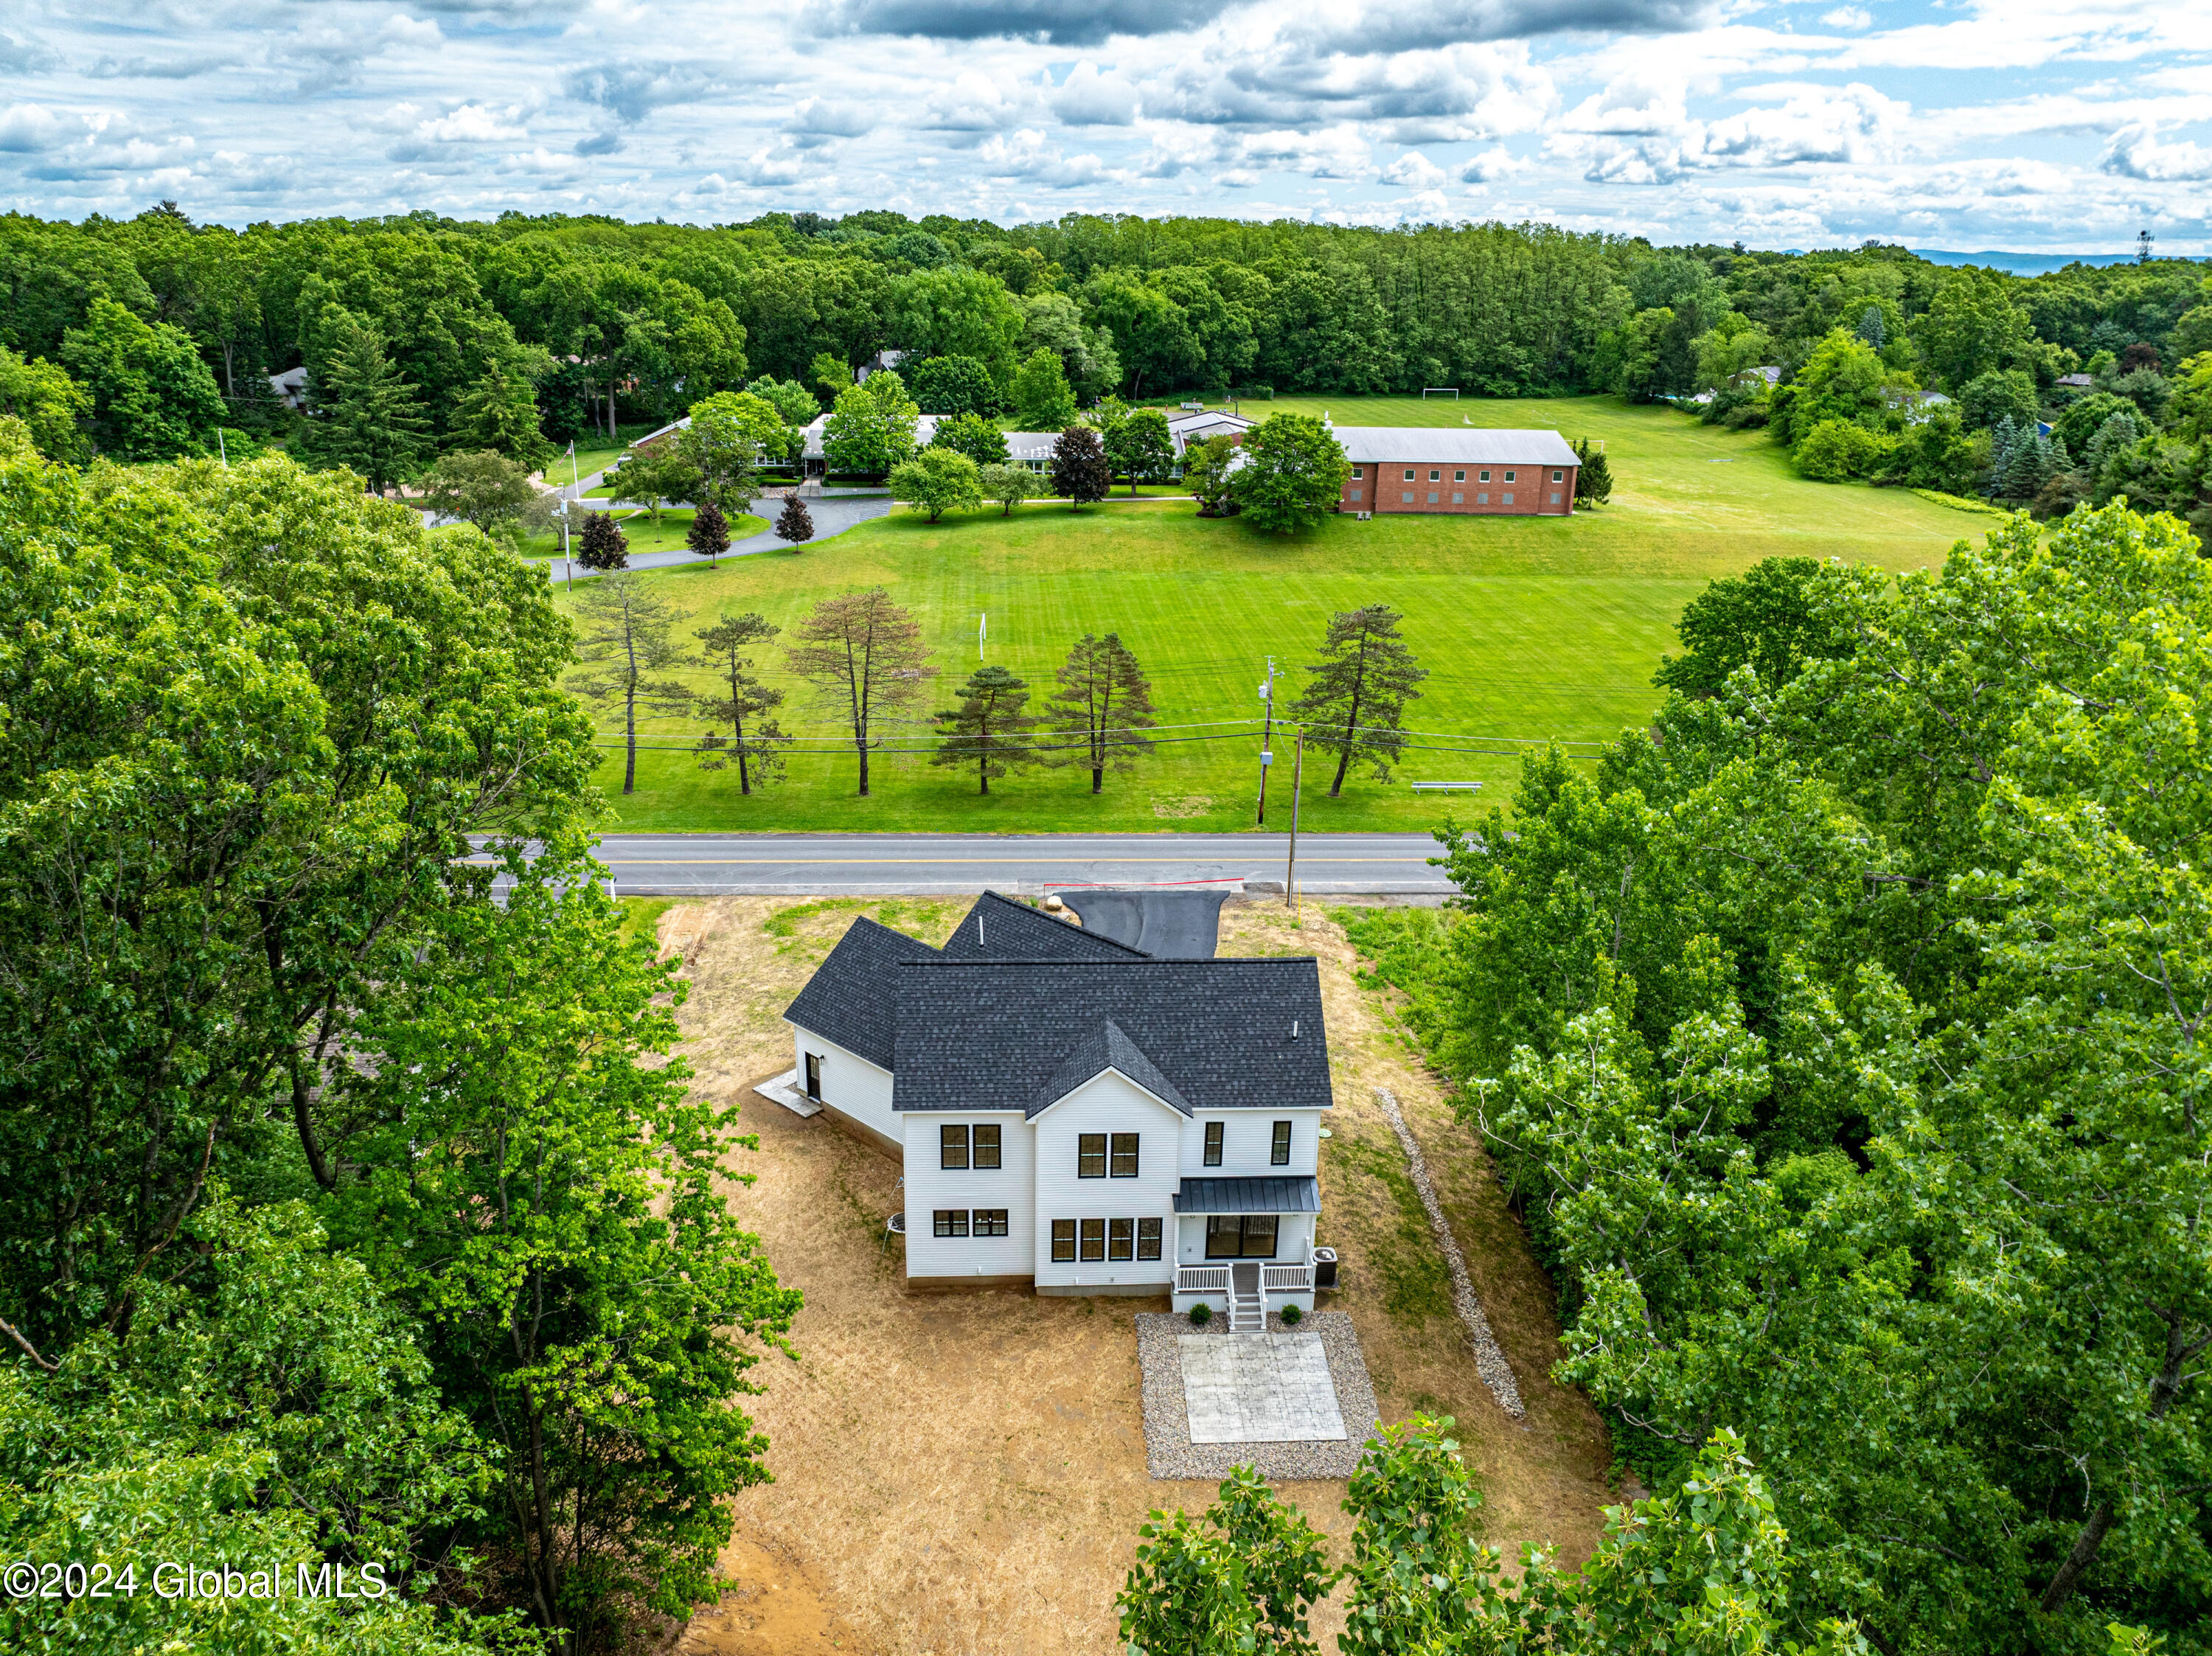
x: 1292, y: 474
x: 973, y: 435
x: 1359, y: 690
x: 481, y: 487
x: 1242, y: 1578
x: 1078, y: 467
x: 723, y: 446
x: 1009, y: 485
x: 794, y: 523
x: 666, y: 473
x: 1764, y: 619
x: 1141, y: 446
x: 48, y: 401
x: 871, y: 428
x: 938, y: 480
x: 1039, y: 393
x: 863, y: 656
x: 951, y: 386
x: 709, y: 535
x: 602, y: 545
x: 152, y: 398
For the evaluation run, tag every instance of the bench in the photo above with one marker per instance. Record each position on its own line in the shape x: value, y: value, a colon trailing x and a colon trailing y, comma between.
x: 1445, y: 787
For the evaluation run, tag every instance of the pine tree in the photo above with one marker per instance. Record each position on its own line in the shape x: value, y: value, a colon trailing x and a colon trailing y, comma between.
x: 622, y: 627
x: 367, y: 417
x: 602, y: 546
x: 989, y: 727
x: 863, y: 656
x: 794, y: 523
x: 709, y: 534
x: 1104, y: 700
x: 1871, y: 328
x: 1078, y: 467
x: 499, y: 412
x: 1593, y: 476
x: 1360, y: 688
x: 2003, y: 436
x: 755, y: 741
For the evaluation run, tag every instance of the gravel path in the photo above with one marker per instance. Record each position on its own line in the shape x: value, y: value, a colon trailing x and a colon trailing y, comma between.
x: 1489, y: 1361
x: 1168, y: 1452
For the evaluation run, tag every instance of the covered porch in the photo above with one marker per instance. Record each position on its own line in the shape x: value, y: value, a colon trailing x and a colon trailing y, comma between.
x: 1244, y: 1246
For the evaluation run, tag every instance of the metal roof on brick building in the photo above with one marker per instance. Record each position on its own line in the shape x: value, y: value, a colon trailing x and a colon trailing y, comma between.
x: 1460, y: 445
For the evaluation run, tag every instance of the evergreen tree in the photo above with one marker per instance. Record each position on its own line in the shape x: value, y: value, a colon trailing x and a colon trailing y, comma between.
x: 1360, y: 686
x: 364, y: 415
x: 1078, y: 467
x: 623, y: 638
x: 2003, y: 436
x: 989, y: 727
x: 499, y: 412
x: 794, y: 523
x: 602, y: 545
x: 709, y: 533
x: 1103, y: 703
x: 863, y: 656
x: 1593, y: 477
x: 1871, y: 328
x: 755, y: 740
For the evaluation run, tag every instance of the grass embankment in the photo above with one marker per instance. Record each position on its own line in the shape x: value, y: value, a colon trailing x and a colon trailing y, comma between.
x: 1531, y: 628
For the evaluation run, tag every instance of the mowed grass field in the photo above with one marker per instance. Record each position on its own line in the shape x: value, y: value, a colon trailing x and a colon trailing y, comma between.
x: 1532, y: 629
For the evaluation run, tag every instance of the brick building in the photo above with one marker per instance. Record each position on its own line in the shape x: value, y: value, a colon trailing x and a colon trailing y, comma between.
x: 1474, y: 470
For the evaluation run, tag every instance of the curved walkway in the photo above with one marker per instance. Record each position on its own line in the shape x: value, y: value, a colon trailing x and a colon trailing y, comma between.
x: 832, y: 515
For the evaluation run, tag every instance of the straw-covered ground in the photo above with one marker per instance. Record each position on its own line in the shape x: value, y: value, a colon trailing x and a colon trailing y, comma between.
x: 966, y: 1473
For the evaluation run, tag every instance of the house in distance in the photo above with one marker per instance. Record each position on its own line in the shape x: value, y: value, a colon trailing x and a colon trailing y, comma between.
x: 1075, y: 1115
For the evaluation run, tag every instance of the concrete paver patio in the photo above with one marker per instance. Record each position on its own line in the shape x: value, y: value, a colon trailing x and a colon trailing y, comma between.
x: 1259, y: 1389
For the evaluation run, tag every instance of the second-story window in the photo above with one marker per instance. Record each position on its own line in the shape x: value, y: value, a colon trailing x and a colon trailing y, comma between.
x: 987, y: 1145
x: 1279, y: 1152
x: 1125, y: 1156
x: 952, y: 1147
x: 1091, y: 1155
x: 1214, y: 1144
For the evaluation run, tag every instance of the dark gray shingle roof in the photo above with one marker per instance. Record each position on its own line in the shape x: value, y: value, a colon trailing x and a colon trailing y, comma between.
x: 1107, y: 1046
x: 1014, y: 931
x: 1300, y: 1193
x: 853, y: 996
x: 994, y: 1035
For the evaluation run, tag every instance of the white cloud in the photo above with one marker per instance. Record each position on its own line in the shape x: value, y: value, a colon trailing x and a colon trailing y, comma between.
x: 26, y: 128
x: 1850, y: 17
x: 1089, y: 97
x: 1490, y: 166
x: 472, y: 124
x: 2135, y: 153
x: 1415, y: 170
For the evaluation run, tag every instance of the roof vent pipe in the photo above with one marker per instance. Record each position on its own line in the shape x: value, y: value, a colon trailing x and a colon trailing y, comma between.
x: 1294, y: 1028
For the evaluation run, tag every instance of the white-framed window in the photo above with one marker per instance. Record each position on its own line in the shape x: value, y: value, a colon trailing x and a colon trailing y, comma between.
x: 1459, y: 476
x: 1485, y: 476
x: 1508, y: 477
x: 1358, y: 471
x: 1434, y: 476
x: 1559, y: 477
x: 1409, y: 474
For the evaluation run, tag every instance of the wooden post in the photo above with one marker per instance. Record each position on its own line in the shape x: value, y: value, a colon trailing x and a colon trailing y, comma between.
x: 1291, y: 868
x: 1267, y: 738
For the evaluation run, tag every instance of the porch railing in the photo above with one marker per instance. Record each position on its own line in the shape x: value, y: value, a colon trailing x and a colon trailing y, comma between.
x: 1286, y: 1279
x: 1201, y: 1279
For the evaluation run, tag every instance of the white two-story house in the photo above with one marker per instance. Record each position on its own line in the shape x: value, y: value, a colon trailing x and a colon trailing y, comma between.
x: 1075, y: 1115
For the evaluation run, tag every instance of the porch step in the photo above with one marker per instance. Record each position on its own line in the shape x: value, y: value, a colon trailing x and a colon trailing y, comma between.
x: 784, y: 1090
x: 1248, y: 1313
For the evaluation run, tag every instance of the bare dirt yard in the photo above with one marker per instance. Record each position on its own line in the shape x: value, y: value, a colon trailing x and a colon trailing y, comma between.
x: 965, y: 1473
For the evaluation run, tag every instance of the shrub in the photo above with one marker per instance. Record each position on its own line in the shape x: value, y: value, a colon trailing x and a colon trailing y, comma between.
x: 1293, y: 1316
x: 1200, y: 1314
x: 1836, y: 451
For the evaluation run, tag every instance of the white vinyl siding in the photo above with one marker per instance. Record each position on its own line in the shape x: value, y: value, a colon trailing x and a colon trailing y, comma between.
x: 930, y: 1187
x: 1294, y: 1239
x: 1247, y: 1142
x: 852, y: 1085
x: 1108, y: 1104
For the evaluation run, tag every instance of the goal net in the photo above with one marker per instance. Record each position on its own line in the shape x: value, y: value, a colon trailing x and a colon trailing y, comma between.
x: 1451, y: 392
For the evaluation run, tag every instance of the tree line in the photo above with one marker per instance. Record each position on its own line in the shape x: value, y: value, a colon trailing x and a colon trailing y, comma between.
x: 861, y: 658
x: 1840, y: 1036
x: 422, y: 336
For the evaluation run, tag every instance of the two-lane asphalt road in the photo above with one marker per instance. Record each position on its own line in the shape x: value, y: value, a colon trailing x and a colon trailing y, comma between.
x: 920, y: 864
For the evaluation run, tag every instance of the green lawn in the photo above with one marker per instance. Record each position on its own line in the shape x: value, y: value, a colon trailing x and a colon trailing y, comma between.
x: 1531, y: 627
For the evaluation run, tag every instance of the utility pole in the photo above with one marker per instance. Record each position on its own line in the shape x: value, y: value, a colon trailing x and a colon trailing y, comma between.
x: 1291, y: 868
x: 1267, y: 737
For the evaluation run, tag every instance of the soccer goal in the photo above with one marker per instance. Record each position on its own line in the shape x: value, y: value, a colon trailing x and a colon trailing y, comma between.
x: 1452, y: 391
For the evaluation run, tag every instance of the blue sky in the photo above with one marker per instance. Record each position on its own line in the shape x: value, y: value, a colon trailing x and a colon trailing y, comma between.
x: 2023, y: 125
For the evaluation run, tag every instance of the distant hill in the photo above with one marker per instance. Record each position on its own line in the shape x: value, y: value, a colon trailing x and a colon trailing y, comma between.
x: 2022, y: 264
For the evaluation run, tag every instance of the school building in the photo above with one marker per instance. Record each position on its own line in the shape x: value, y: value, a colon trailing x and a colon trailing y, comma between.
x: 1474, y: 470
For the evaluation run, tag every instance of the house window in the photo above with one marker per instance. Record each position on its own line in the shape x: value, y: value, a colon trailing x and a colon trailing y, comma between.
x: 1409, y: 474
x: 1355, y: 493
x: 1358, y: 471
x: 1091, y: 1155
x: 1555, y: 497
x: 1240, y: 1236
x: 1434, y: 476
x: 987, y: 1145
x: 1484, y: 478
x: 1559, y: 477
x: 1458, y: 499
x: 1459, y: 476
x: 1121, y: 1239
x: 990, y: 1221
x: 1508, y: 477
x: 1214, y: 1144
x: 1279, y: 1148
x: 1432, y: 497
x: 1481, y: 500
x: 1125, y: 1156
x: 1408, y: 497
x: 950, y: 1221
x: 814, y: 1076
x: 1509, y: 499
x: 1094, y: 1240
x: 952, y: 1148
x: 1148, y: 1239
x: 1063, y: 1240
